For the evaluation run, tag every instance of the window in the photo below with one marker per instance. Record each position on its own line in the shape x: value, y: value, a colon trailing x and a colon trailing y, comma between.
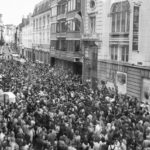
x: 40, y: 23
x: 125, y: 54
x: 73, y: 25
x: 57, y: 44
x: 77, y: 25
x: 53, y: 44
x: 53, y: 28
x: 70, y: 45
x: 77, y: 45
x: 54, y: 11
x: 58, y: 27
x: 43, y: 21
x: 63, y: 27
x: 72, y: 5
x: 114, y: 52
x: 47, y: 19
x: 69, y: 5
x: 118, y: 22
x: 92, y: 24
x: 48, y: 37
x: 58, y: 9
x: 36, y: 24
x: 120, y: 53
x: 135, y: 28
x: 120, y: 17
x: 113, y: 22
x: 63, y: 8
x: 92, y: 3
x: 63, y: 45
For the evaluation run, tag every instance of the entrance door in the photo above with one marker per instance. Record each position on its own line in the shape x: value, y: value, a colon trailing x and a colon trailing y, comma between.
x: 77, y: 68
x: 52, y: 61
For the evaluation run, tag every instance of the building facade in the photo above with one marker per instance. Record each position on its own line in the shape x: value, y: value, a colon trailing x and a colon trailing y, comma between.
x: 93, y: 20
x: 26, y: 40
x: 124, y: 59
x: 65, y: 50
x: 9, y: 34
x: 41, y: 31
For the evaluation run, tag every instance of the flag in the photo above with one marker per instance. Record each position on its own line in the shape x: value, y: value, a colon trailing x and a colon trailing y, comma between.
x: 78, y: 16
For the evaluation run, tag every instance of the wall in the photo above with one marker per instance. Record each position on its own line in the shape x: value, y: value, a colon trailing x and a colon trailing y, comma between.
x: 135, y: 75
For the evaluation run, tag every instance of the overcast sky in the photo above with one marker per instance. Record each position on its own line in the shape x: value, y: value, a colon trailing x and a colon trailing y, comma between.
x: 14, y: 10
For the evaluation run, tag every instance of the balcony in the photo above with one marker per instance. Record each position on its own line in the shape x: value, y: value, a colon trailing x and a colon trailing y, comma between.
x: 65, y: 55
x: 92, y: 37
x: 61, y: 16
x: 61, y: 35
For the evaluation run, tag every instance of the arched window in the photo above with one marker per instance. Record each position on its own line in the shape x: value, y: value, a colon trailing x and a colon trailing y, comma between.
x: 120, y: 17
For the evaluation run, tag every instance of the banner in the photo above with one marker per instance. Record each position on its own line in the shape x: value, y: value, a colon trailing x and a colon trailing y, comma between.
x: 146, y: 90
x: 121, y: 82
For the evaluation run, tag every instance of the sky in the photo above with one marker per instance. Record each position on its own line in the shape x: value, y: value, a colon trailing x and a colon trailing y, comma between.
x: 14, y: 10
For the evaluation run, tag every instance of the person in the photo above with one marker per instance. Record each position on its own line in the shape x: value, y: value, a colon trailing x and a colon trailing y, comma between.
x: 68, y: 114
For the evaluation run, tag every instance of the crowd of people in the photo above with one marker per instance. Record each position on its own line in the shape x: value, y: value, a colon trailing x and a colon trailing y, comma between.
x: 54, y: 110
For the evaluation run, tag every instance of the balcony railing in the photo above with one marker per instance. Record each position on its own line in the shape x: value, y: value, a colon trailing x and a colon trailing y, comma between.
x: 61, y: 16
x: 61, y: 34
x: 66, y: 55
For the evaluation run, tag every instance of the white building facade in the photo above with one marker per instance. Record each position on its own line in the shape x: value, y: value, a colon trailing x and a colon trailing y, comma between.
x: 124, y: 58
x: 9, y: 33
x: 41, y: 31
x: 26, y: 37
x: 93, y: 24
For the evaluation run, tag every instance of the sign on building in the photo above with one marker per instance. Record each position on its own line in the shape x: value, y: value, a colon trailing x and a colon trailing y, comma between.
x: 121, y: 82
x: 146, y: 90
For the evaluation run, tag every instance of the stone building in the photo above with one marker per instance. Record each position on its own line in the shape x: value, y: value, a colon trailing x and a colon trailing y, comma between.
x: 41, y: 31
x: 124, y: 58
x: 26, y: 40
x: 9, y: 33
x: 65, y: 50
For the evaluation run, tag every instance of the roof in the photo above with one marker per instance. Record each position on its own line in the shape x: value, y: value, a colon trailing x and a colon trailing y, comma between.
x: 41, y: 7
